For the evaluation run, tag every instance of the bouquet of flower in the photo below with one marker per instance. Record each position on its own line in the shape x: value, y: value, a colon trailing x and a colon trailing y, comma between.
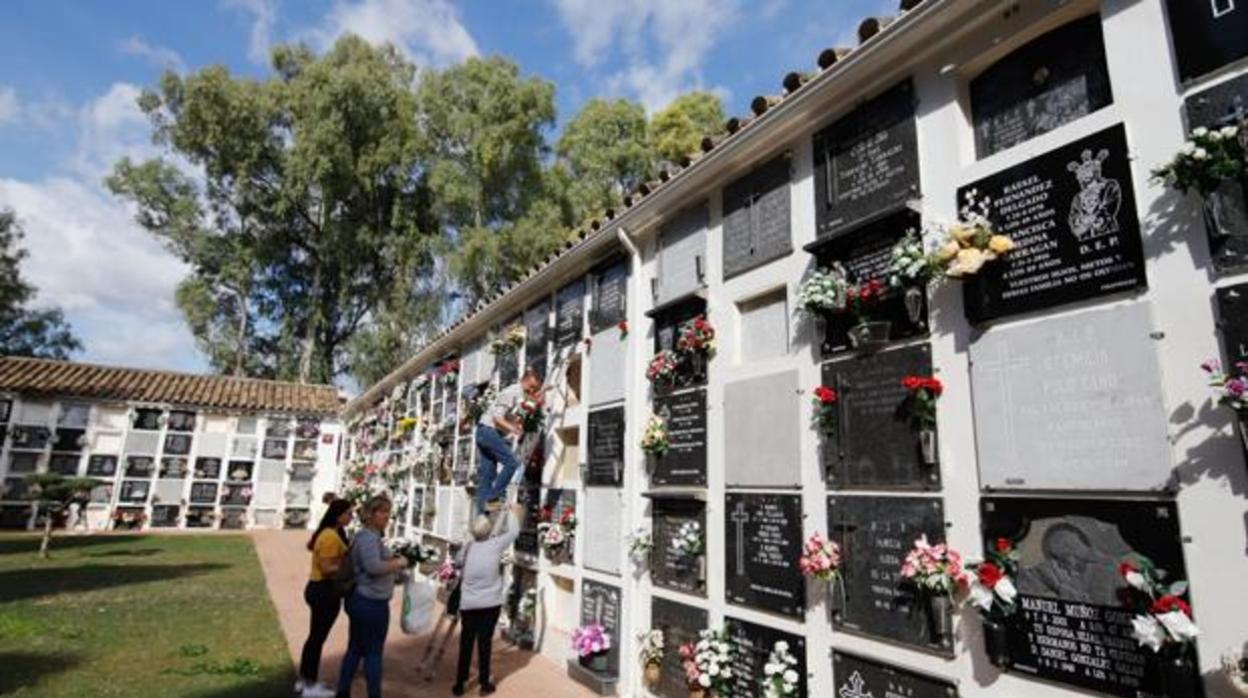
x: 821, y: 558
x: 861, y: 298
x: 1163, y: 619
x: 909, y: 263
x: 527, y: 607
x: 688, y: 543
x: 405, y: 425
x: 780, y: 677
x: 639, y: 544
x: 651, y: 645
x: 654, y: 440
x: 1232, y: 389
x: 824, y: 291
x: 825, y: 413
x: 511, y: 340
x: 924, y: 392
x: 411, y: 550
x: 623, y: 327
x: 971, y: 242
x: 708, y: 662
x: 591, y: 639
x: 662, y: 368
x: 532, y: 413
x: 1208, y: 158
x: 446, y: 572
x: 935, y: 569
x: 481, y: 401
x: 555, y: 536
x: 992, y: 588
x: 697, y: 337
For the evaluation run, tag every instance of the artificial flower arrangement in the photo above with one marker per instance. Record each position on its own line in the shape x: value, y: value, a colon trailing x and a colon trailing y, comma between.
x: 697, y: 337
x: 688, y: 545
x: 966, y: 246
x: 1235, y: 669
x: 993, y: 594
x: 640, y: 543
x: 591, y: 643
x: 1209, y: 158
x: 412, y: 551
x: 480, y: 402
x: 510, y: 341
x: 708, y: 663
x: 446, y: 573
x: 588, y: 342
x: 555, y: 536
x: 1232, y: 388
x: 824, y: 290
x: 532, y: 413
x: 825, y: 416
x: 936, y: 572
x: 651, y: 644
x: 663, y: 367
x: 128, y: 518
x: 780, y: 677
x: 820, y: 559
x: 827, y: 291
x: 622, y: 325
x: 1163, y: 620
x: 909, y: 263
x: 449, y: 371
x: 924, y: 392
x: 655, y: 440
x: 526, y: 610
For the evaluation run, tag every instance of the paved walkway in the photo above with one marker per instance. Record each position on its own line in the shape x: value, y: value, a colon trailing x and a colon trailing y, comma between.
x: 518, y: 674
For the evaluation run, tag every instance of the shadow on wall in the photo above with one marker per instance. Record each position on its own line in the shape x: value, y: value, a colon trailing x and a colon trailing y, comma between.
x: 23, y: 584
x: 1217, y: 457
x: 22, y: 669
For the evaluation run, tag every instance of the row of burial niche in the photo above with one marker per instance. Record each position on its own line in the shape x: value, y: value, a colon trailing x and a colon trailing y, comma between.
x: 1072, y: 624
x: 764, y: 537
x: 1225, y: 209
x: 678, y: 550
x: 876, y: 440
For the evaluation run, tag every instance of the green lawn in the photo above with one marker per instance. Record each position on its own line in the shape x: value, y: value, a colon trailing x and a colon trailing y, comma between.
x: 145, y: 616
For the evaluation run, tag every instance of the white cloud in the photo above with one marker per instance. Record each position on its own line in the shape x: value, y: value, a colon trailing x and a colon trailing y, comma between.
x: 429, y: 32
x: 159, y: 56
x: 9, y: 108
x: 663, y: 43
x: 263, y: 15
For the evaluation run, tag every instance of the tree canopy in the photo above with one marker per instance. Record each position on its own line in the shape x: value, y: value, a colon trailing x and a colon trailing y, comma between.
x: 678, y: 128
x: 26, y: 331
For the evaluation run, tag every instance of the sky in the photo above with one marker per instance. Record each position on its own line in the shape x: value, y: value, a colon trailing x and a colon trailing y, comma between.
x: 70, y: 72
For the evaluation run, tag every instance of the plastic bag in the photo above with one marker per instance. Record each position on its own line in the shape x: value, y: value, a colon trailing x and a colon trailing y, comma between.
x: 418, y: 606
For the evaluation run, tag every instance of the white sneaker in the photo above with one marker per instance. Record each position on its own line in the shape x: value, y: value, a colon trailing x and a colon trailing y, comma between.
x: 299, y: 686
x: 318, y: 690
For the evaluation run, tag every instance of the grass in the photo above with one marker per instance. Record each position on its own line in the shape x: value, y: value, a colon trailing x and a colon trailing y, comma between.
x: 178, y: 616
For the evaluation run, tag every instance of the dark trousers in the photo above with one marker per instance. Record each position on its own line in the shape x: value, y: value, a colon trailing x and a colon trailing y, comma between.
x: 370, y: 619
x: 324, y: 603
x: 476, y: 626
x: 493, y: 450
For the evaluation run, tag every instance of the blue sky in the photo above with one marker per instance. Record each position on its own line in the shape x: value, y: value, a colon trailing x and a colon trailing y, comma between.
x: 70, y: 71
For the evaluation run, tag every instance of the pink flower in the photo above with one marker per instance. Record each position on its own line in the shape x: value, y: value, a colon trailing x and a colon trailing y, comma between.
x: 1211, y: 366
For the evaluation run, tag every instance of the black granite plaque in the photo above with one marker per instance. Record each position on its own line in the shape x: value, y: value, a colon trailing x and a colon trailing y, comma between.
x: 6, y: 409
x: 537, y: 337
x: 31, y: 437
x: 64, y: 464
x: 278, y: 428
x: 69, y: 439
x: 521, y: 631
x: 858, y: 677
x: 1233, y: 322
x: 876, y: 445
x: 1048, y: 82
x: 165, y: 515
x: 140, y: 466
x: 752, y: 645
x: 1071, y: 626
x: 507, y: 362
x: 102, y: 466
x: 1226, y: 222
x: 134, y: 491
x: 764, y: 541
x: 147, y: 419
x: 569, y: 311
x: 667, y: 568
x: 207, y: 468
x: 756, y: 217
x: 874, y: 534
x: 203, y: 493
x: 680, y: 624
x: 417, y: 504
x: 610, y: 296
x: 602, y: 604
x: 1220, y: 105
x: 180, y: 445
x: 1072, y: 214
x: 867, y: 162
x: 181, y: 420
x: 556, y: 501
x: 1207, y: 34
x: 463, y: 460
x: 669, y: 320
x: 865, y: 254
x: 606, y: 447
x: 685, y: 461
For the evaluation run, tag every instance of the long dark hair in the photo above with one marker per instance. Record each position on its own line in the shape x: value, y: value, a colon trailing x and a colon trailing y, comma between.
x: 337, y: 508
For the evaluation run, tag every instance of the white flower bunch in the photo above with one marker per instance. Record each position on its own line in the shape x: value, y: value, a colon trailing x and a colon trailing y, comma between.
x: 708, y: 663
x: 780, y: 677
x: 909, y: 263
x: 651, y: 646
x: 1206, y: 160
x: 688, y: 541
x: 824, y: 291
x: 639, y: 544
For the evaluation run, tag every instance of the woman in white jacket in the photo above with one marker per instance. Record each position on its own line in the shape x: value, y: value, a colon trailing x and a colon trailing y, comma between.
x: 481, y: 595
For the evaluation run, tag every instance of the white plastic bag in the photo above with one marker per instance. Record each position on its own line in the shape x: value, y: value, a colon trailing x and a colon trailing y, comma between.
x: 418, y: 606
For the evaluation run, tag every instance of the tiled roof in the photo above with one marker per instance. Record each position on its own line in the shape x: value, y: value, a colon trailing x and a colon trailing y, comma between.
x: 89, y: 381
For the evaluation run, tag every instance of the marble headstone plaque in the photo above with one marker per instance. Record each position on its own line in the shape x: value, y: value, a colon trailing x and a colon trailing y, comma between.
x: 764, y: 540
x: 876, y: 445
x: 1233, y: 322
x: 680, y: 624
x: 603, y: 604
x: 463, y: 460
x: 858, y: 677
x: 1071, y: 403
x: 1071, y: 213
x: 874, y: 534
x: 537, y: 337
x: 1207, y: 34
x: 682, y: 254
x: 867, y: 162
x: 602, y: 520
x: 609, y: 302
x: 762, y: 425
x: 668, y: 568
x: 1048, y: 82
x: 1071, y: 626
x: 608, y: 366
x: 756, y: 217
x: 569, y: 312
x: 752, y: 645
x: 606, y: 447
x: 685, y: 461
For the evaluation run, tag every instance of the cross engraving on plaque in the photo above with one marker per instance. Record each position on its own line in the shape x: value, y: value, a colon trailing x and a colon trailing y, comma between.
x: 740, y: 518
x: 1221, y: 8
x: 854, y: 688
x: 997, y: 369
x: 598, y: 609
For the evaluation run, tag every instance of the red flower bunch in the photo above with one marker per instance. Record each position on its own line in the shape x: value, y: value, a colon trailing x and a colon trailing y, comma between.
x: 825, y: 395
x: 825, y: 416
x: 924, y: 391
x: 448, y: 367
x: 859, y: 298
x: 568, y: 517
x: 928, y: 383
x: 989, y: 574
x: 532, y: 412
x: 546, y: 514
x: 662, y: 368
x: 623, y: 325
x: 1004, y: 546
x: 697, y: 336
x: 589, y: 342
x: 1170, y: 602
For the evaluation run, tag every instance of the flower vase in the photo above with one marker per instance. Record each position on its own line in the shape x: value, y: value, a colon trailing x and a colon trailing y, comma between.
x: 596, y: 663
x: 997, y: 642
x: 939, y: 618
x: 869, y: 334
x: 929, y: 446
x: 652, y: 674
x: 913, y: 300
x: 1178, y: 675
x: 1226, y: 209
x: 697, y: 367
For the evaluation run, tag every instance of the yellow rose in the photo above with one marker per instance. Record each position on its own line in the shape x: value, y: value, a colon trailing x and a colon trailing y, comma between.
x: 947, y: 252
x: 962, y: 233
x: 968, y: 262
x: 1000, y: 244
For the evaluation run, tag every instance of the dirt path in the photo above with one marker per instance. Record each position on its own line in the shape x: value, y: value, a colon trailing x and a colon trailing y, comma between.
x: 518, y: 674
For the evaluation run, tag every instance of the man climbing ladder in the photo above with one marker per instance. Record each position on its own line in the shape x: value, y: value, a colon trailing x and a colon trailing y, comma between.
x: 497, y: 424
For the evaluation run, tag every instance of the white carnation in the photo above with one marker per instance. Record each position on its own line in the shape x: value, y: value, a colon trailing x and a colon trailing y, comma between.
x: 1181, y: 627
x: 1148, y: 632
x: 1005, y: 589
x: 1200, y: 132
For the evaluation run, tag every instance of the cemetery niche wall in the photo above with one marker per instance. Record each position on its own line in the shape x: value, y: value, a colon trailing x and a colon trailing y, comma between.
x: 859, y: 677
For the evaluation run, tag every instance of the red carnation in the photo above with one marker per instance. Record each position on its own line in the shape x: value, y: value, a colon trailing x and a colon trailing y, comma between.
x: 1170, y: 602
x: 1125, y: 567
x: 990, y: 574
x: 911, y: 382
x: 934, y: 385
x: 623, y: 325
x: 1004, y: 545
x: 567, y: 515
x: 825, y: 394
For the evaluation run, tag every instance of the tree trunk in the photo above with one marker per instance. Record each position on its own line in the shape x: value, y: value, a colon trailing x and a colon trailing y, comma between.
x: 47, y: 535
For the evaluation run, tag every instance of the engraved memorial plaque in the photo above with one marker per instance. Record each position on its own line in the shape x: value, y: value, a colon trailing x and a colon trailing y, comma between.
x: 761, y: 431
x: 102, y: 466
x: 463, y: 460
x: 1071, y: 626
x: 752, y: 645
x: 74, y: 439
x: 606, y: 447
x: 603, y: 523
x: 1233, y: 322
x: 537, y: 337
x: 682, y: 254
x: 602, y: 604
x: 179, y: 444
x: 1051, y: 81
x: 669, y: 568
x: 859, y: 677
x: 756, y: 217
x: 508, y: 361
x: 1207, y: 34
x: 867, y: 162
x: 1071, y: 213
x: 1072, y: 402
x: 610, y: 296
x: 569, y: 311
x: 685, y: 460
x: 874, y: 534
x: 876, y: 444
x: 764, y: 539
x: 680, y: 623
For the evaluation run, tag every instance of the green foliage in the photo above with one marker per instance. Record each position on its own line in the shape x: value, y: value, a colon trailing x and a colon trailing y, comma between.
x: 605, y: 151
x: 678, y: 128
x: 25, y: 331
x: 57, y: 491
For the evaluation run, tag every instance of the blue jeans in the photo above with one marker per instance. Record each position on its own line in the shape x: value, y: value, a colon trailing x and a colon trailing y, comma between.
x: 370, y: 619
x: 492, y: 449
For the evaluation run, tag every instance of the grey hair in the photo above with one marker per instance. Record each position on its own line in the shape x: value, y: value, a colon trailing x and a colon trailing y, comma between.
x: 482, y: 527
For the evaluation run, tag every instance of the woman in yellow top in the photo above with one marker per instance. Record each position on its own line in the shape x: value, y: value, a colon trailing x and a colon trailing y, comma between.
x: 329, y: 549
